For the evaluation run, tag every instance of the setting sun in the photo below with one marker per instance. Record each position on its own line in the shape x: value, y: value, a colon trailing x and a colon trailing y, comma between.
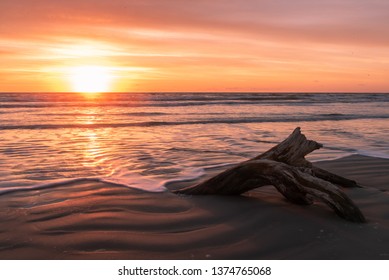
x: 90, y: 79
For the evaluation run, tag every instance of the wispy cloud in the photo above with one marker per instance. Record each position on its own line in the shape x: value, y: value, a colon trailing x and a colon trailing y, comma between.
x: 199, y: 45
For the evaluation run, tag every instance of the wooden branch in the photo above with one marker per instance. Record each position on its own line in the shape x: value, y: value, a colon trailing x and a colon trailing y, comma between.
x: 292, y: 150
x: 285, y: 167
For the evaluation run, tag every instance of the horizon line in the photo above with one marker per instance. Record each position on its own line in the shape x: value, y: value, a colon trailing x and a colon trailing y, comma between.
x: 220, y: 92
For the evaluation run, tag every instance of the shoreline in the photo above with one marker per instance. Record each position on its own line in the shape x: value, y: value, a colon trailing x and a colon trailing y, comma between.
x: 95, y: 220
x: 206, y: 172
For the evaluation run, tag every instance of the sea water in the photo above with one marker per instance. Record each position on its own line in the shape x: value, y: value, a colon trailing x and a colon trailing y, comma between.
x: 143, y: 140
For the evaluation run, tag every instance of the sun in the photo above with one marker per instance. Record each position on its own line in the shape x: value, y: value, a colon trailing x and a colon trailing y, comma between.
x: 90, y: 79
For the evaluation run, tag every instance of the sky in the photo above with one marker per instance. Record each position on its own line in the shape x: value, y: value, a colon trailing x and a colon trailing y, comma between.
x: 202, y: 45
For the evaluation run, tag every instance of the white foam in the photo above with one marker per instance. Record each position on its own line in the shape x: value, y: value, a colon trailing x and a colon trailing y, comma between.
x: 191, y: 175
x: 133, y: 181
x: 140, y: 184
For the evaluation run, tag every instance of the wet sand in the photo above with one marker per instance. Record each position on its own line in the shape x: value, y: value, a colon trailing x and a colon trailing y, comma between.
x: 92, y: 220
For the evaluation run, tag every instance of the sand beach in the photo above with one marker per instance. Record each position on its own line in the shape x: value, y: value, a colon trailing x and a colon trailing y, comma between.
x: 116, y: 118
x: 93, y: 220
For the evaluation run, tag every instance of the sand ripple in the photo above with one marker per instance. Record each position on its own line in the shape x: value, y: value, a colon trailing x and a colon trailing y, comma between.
x: 93, y: 220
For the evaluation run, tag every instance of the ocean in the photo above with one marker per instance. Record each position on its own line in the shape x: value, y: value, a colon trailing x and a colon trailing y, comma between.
x: 144, y: 140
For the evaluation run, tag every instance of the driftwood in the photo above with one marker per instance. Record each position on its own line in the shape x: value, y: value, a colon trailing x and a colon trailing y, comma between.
x: 285, y: 167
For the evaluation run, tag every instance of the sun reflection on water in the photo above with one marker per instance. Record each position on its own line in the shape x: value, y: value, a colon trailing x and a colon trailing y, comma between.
x: 90, y: 116
x: 92, y: 149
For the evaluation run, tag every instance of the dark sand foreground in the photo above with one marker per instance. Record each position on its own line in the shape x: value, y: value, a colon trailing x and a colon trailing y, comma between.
x: 90, y: 220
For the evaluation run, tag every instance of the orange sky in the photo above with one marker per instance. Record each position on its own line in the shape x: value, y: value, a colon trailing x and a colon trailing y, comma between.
x: 202, y: 45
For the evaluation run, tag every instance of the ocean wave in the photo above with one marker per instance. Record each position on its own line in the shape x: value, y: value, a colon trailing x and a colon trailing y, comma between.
x: 194, y: 96
x: 159, y: 104
x: 202, y: 151
x: 132, y: 180
x: 311, y: 118
x: 148, y: 184
x: 132, y: 114
x: 58, y: 183
x: 24, y: 100
x: 136, y: 182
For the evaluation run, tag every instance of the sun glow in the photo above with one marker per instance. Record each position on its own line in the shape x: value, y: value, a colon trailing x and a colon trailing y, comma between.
x: 90, y: 79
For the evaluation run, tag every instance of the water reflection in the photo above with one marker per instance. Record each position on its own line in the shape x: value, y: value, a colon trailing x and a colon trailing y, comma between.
x: 92, y: 149
x: 153, y: 139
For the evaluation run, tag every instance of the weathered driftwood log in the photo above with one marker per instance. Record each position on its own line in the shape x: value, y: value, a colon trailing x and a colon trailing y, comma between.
x: 285, y: 167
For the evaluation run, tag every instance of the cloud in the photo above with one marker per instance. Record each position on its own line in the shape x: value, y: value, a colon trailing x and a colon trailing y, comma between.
x: 330, y: 21
x: 246, y: 37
